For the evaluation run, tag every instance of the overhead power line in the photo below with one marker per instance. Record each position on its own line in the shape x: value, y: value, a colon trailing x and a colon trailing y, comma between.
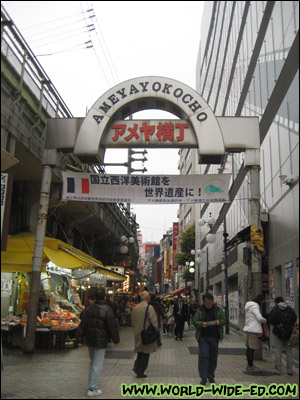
x: 86, y: 45
x: 61, y: 39
x: 49, y: 22
x: 61, y: 33
x: 55, y: 29
x: 108, y: 52
x: 99, y: 62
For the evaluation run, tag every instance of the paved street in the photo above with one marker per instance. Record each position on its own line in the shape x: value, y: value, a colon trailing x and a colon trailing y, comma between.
x: 54, y: 374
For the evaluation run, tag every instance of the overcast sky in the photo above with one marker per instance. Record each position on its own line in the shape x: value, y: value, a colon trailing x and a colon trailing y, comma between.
x: 131, y: 39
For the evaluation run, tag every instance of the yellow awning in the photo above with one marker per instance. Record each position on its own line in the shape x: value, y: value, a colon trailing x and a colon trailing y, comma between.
x: 19, y: 255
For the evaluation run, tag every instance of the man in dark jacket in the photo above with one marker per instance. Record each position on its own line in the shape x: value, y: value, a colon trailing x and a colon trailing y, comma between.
x: 180, y: 315
x: 283, y: 318
x: 209, y: 321
x: 98, y: 325
x: 158, y: 308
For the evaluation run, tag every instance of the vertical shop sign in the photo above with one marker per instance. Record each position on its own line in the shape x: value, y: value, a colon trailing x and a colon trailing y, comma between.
x: 23, y: 294
x: 4, y: 182
x: 297, y: 278
x: 6, y: 287
x: 167, y: 262
x: 289, y: 283
x: 175, y: 244
x: 272, y: 288
x: 234, y: 307
x: 6, y: 192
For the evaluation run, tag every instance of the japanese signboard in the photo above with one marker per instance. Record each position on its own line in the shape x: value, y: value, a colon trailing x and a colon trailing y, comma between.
x: 175, y: 244
x: 145, y: 189
x: 4, y: 181
x: 167, y: 262
x: 155, y: 133
x: 289, y: 283
x: 6, y: 287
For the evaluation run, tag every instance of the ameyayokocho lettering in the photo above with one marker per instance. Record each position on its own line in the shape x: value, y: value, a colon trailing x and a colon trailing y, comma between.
x: 166, y: 88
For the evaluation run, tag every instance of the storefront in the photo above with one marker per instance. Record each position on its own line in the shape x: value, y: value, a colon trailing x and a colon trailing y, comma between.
x: 66, y: 272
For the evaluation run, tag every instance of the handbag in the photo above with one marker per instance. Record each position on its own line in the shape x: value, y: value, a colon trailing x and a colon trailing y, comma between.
x: 265, y: 337
x: 294, y: 339
x: 150, y: 334
x: 186, y: 326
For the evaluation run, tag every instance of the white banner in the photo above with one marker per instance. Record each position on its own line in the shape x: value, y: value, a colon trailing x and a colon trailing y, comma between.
x: 145, y: 189
x: 4, y: 181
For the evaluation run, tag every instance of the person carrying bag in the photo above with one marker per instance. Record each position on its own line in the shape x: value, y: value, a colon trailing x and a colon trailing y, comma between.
x: 144, y: 319
x: 150, y: 334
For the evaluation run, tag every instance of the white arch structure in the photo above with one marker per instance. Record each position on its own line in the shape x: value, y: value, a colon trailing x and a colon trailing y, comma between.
x: 213, y: 136
x: 150, y: 93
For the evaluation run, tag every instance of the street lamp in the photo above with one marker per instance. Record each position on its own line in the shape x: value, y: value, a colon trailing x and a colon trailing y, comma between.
x: 189, y: 266
x: 197, y: 253
x: 124, y: 242
x: 210, y: 238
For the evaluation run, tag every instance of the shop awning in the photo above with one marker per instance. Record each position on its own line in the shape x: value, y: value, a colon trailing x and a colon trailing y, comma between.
x: 19, y: 255
x: 175, y: 292
x: 240, y: 237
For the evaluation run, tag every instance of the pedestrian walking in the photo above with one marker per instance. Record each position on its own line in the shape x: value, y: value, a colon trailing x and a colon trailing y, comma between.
x: 283, y: 319
x: 143, y: 351
x: 158, y: 308
x: 180, y: 316
x: 128, y: 310
x: 121, y: 307
x: 209, y: 321
x: 253, y: 327
x: 98, y: 325
x: 165, y: 321
x: 170, y: 319
x: 91, y: 300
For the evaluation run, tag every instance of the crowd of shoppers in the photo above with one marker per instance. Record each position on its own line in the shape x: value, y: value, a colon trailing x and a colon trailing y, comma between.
x: 102, y: 320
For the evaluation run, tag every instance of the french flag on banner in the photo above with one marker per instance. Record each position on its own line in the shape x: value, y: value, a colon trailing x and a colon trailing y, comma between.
x: 78, y: 185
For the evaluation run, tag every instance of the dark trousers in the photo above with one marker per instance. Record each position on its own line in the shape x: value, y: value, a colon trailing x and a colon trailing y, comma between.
x: 179, y: 327
x: 141, y: 363
x: 208, y: 356
x: 250, y: 356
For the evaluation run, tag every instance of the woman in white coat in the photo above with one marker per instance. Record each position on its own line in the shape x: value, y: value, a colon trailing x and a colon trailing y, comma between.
x: 253, y: 327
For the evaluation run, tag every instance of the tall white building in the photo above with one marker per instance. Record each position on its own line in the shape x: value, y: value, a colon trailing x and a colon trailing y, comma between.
x: 248, y: 65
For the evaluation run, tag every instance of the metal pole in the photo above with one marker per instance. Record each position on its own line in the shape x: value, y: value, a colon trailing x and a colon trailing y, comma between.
x: 207, y: 263
x: 256, y: 283
x: 49, y: 159
x: 255, y: 221
x: 225, y: 234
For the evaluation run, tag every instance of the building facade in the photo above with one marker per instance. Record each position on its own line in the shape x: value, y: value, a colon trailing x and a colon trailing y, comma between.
x: 248, y: 65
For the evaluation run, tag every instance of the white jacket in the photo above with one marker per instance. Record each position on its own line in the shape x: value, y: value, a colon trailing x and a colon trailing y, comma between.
x: 254, y: 319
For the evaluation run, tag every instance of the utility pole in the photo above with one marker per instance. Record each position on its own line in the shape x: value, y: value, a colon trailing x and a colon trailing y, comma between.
x: 256, y: 283
x: 207, y: 265
x: 225, y: 235
x: 255, y: 275
x: 49, y: 161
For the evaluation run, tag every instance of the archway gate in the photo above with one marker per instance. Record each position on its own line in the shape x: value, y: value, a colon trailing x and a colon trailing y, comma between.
x: 105, y: 126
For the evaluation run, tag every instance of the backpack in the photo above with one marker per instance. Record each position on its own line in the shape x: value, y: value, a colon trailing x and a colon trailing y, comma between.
x: 283, y: 327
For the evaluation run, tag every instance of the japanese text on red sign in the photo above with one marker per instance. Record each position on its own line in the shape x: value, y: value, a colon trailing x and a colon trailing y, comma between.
x: 166, y: 132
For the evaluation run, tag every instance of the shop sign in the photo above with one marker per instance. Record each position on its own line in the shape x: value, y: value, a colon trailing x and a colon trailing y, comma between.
x: 146, y: 189
x: 289, y: 283
x: 156, y: 87
x: 167, y: 262
x: 23, y: 294
x: 155, y: 133
x: 175, y: 240
x: 4, y: 182
x: 6, y: 287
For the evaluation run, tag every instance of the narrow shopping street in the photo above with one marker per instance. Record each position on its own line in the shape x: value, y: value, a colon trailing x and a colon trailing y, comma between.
x: 62, y: 374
